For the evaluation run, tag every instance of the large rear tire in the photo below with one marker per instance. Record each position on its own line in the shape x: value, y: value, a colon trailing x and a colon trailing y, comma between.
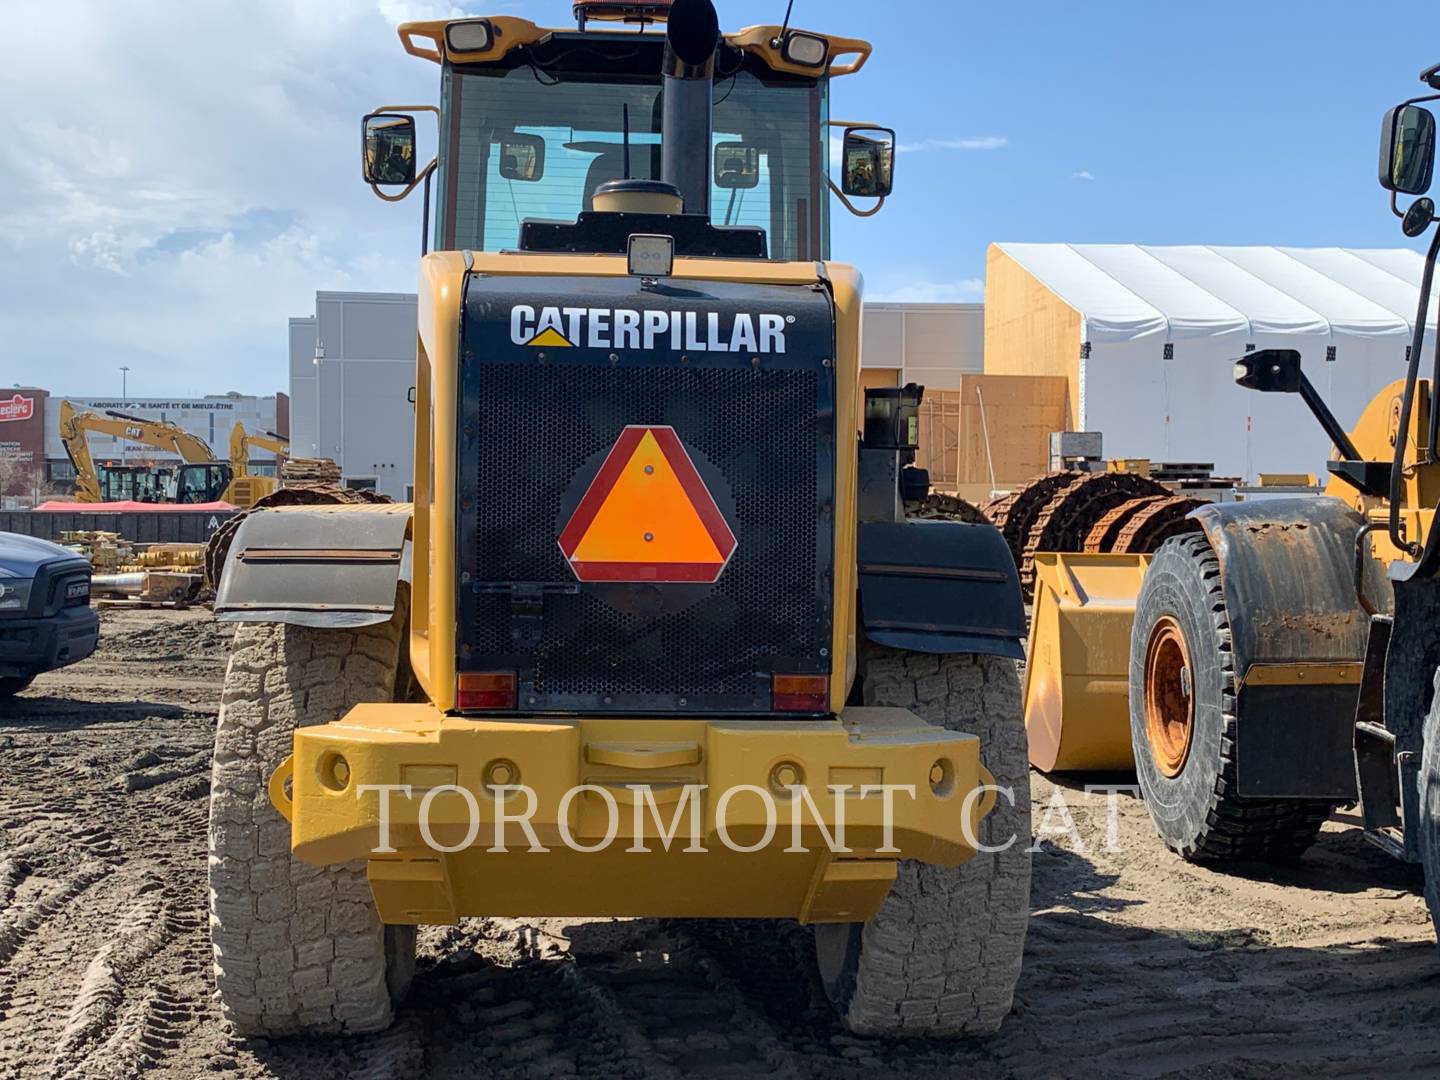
x: 1182, y: 720
x: 298, y: 949
x: 942, y: 956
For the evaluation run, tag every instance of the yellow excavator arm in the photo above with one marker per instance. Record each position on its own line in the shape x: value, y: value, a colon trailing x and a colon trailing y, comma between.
x: 75, y: 429
x: 242, y: 443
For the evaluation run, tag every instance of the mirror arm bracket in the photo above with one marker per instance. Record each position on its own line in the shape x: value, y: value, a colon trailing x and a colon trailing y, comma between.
x: 839, y: 194
x: 420, y: 178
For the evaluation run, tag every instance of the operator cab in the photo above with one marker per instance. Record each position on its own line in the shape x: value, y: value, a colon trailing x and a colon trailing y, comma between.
x: 537, y: 126
x: 204, y: 482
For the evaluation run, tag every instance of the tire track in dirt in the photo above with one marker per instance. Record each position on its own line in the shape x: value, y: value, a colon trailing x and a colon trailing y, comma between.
x: 1137, y: 964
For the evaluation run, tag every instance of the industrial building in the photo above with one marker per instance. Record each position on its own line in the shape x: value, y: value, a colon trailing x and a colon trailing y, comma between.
x: 352, y: 366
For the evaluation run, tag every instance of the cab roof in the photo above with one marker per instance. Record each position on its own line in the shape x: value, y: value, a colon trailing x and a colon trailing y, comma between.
x: 431, y: 41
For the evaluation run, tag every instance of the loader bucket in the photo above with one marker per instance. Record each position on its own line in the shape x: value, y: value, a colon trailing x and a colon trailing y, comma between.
x: 1077, y: 712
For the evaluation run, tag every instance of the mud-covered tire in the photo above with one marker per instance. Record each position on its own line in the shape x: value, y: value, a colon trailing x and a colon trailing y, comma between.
x: 1429, y: 830
x: 297, y: 949
x: 11, y: 686
x: 942, y: 956
x: 1191, y: 790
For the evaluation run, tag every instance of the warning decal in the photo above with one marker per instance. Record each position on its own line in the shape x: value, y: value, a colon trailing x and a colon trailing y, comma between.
x: 648, y: 517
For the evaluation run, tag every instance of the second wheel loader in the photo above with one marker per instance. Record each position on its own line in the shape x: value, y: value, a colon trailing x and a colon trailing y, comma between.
x: 1276, y: 659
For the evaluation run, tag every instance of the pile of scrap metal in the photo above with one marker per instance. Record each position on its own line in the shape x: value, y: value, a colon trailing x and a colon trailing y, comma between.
x: 145, y: 573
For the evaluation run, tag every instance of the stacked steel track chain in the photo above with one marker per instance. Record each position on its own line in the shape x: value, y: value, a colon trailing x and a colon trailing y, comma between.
x: 1098, y: 513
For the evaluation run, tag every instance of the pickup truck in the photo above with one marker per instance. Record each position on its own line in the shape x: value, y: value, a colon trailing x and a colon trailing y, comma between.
x: 45, y: 617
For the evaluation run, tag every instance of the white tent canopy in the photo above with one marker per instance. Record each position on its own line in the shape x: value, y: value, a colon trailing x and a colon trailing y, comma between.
x: 1162, y: 326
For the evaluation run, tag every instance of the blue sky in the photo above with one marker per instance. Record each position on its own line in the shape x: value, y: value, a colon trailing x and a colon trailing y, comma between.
x: 169, y: 209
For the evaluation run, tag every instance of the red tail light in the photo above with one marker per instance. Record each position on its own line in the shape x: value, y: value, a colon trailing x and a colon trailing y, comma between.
x: 485, y: 690
x: 800, y: 693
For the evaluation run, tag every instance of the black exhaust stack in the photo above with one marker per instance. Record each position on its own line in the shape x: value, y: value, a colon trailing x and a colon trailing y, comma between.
x: 692, y: 37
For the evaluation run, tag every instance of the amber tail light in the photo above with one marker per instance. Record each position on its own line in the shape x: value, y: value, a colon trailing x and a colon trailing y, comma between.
x: 800, y: 693
x: 485, y: 690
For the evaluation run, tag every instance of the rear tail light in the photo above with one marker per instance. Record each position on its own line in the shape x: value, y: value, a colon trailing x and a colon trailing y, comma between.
x: 800, y: 693
x: 485, y: 690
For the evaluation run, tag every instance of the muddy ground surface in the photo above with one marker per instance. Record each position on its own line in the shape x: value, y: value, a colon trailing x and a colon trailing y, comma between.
x: 1137, y: 965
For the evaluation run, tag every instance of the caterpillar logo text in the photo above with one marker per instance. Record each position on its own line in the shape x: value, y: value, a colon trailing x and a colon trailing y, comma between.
x: 678, y: 331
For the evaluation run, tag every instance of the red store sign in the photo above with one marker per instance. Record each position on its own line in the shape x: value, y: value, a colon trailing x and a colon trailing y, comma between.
x: 17, y: 408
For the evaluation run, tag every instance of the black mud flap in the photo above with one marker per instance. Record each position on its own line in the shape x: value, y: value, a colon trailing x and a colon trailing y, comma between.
x: 940, y: 587
x: 1299, y: 632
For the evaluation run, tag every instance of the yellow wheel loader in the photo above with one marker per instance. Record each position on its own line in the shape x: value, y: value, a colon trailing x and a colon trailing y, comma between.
x: 656, y: 637
x: 1277, y: 658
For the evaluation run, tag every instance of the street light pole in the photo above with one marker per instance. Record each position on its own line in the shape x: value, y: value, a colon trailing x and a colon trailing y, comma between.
x: 124, y: 401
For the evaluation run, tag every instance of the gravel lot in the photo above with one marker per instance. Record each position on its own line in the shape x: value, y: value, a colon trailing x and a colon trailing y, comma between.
x: 1137, y: 965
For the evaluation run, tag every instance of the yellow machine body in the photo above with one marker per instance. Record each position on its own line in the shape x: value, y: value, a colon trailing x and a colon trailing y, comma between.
x: 1374, y: 436
x: 595, y: 778
x: 433, y: 751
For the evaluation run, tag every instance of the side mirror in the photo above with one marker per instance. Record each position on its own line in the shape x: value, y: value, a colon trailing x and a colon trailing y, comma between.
x: 1270, y: 371
x: 868, y: 169
x: 1407, y: 150
x: 522, y: 157
x: 737, y: 167
x: 389, y: 150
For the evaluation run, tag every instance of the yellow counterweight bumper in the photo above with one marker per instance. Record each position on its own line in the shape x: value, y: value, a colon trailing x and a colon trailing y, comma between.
x: 614, y: 817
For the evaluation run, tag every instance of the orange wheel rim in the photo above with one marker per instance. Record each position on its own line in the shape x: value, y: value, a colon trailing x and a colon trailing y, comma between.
x: 1169, y: 697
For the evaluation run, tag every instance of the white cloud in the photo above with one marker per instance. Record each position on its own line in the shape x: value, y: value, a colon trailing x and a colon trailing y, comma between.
x: 965, y: 290
x: 1083, y: 174
x: 972, y: 142
x: 168, y: 210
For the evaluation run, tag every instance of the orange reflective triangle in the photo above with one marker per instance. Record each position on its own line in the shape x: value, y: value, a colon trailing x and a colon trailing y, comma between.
x: 647, y: 516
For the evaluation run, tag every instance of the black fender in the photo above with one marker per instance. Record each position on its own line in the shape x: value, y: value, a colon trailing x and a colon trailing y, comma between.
x: 320, y: 566
x: 1299, y: 603
x: 940, y: 587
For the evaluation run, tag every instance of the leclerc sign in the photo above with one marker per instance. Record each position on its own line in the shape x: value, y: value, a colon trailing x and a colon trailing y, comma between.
x: 17, y: 408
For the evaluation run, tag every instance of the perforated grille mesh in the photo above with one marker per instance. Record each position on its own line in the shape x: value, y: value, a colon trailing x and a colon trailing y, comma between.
x: 540, y: 426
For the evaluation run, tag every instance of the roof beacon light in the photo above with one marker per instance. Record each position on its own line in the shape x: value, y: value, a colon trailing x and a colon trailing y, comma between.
x: 473, y: 35
x: 807, y: 50
x: 630, y: 11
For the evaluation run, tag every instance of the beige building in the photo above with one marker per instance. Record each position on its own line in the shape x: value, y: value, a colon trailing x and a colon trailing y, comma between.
x: 929, y: 344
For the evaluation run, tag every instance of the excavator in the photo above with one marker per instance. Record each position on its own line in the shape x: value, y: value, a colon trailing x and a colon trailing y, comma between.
x: 246, y: 489
x: 201, y: 478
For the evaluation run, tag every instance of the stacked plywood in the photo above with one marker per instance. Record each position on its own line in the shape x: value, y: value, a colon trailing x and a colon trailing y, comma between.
x: 998, y: 422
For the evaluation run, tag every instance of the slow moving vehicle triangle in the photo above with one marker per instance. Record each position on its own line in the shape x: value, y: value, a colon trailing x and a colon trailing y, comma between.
x: 648, y: 517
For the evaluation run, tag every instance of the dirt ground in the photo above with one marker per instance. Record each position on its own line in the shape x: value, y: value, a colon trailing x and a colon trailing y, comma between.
x: 1137, y: 964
